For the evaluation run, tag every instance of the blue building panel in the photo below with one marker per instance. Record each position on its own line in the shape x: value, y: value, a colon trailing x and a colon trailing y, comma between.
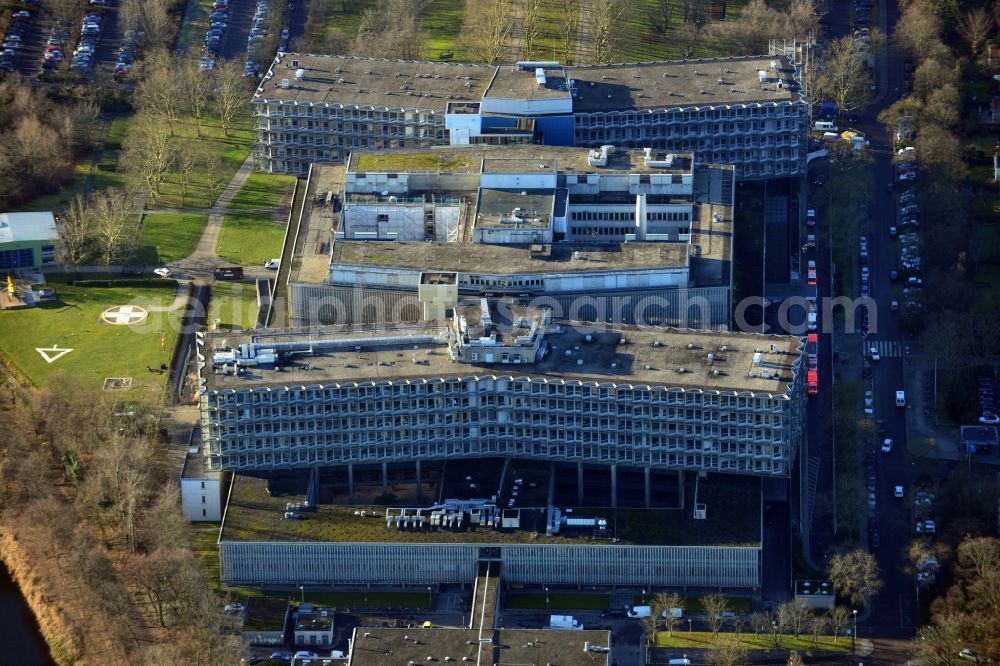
x: 556, y: 130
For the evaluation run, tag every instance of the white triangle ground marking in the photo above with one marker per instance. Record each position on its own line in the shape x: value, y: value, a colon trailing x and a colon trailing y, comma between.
x: 52, y: 353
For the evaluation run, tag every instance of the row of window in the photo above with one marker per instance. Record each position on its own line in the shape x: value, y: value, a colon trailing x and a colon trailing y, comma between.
x: 629, y: 216
x: 490, y: 394
x: 689, y: 116
x: 278, y: 110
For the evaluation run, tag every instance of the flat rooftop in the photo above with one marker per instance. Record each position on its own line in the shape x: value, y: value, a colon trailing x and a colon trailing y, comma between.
x: 520, y: 82
x: 732, y: 501
x: 314, y: 620
x: 266, y: 614
x: 673, y: 358
x: 354, y: 81
x: 497, y: 207
x: 427, y: 85
x: 707, y: 82
x: 511, y: 159
x: 510, y: 259
x: 381, y: 646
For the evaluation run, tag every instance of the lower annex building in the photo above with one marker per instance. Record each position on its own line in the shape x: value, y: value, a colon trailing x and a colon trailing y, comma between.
x: 611, y: 235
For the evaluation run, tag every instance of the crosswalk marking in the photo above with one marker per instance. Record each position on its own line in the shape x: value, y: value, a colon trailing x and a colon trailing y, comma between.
x: 886, y: 348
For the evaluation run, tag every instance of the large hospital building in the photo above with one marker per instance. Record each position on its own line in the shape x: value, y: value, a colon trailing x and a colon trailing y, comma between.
x: 748, y: 112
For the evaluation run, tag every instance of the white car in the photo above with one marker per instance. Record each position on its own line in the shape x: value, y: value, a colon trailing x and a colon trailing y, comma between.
x: 873, y: 352
x: 927, y: 527
x: 887, y: 445
x: 162, y: 272
x: 235, y: 607
x: 272, y: 264
x: 869, y: 403
x: 897, y: 491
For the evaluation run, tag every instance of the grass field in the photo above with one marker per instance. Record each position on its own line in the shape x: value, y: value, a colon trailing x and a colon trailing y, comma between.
x: 168, y: 237
x: 558, y: 601
x: 263, y: 190
x: 250, y: 239
x: 704, y: 640
x: 232, y: 151
x: 99, y: 350
x: 234, y: 304
x: 193, y: 27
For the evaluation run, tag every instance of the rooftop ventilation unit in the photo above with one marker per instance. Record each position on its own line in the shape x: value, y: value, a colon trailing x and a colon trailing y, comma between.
x: 540, y: 77
x: 285, y: 84
x: 300, y: 74
x: 762, y: 75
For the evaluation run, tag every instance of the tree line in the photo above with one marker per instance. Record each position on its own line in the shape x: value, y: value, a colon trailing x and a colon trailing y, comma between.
x: 582, y: 32
x: 86, y: 491
x: 961, y: 323
x: 40, y: 139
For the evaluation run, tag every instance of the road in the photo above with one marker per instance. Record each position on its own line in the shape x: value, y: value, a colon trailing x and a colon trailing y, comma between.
x: 893, y: 612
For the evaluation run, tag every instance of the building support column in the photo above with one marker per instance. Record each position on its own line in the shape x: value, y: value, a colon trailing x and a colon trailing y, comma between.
x: 385, y: 478
x: 350, y: 483
x: 420, y: 489
x: 680, y: 485
x: 614, y: 486
x: 579, y: 483
x: 647, y: 473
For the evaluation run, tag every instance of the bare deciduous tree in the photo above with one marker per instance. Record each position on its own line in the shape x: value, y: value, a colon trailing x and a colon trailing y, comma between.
x: 792, y: 615
x: 531, y: 27
x: 714, y: 606
x: 603, y: 17
x: 392, y: 31
x: 727, y: 654
x: 197, y: 89
x: 795, y: 659
x: 115, y: 220
x: 918, y: 30
x: 855, y: 575
x: 974, y: 27
x: 760, y: 623
x: 664, y: 604
x: 838, y: 617
x: 148, y: 153
x: 844, y: 78
x: 649, y: 627
x: 232, y: 94
x: 568, y: 25
x: 487, y: 29
x: 160, y: 92
x: 77, y: 234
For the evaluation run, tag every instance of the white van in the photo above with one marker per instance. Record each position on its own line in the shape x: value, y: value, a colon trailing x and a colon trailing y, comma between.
x: 831, y: 136
x: 900, y: 398
x: 824, y: 126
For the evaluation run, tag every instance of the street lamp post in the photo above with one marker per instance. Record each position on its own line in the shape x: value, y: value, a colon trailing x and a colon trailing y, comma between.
x: 546, y: 596
x: 854, y: 636
x: 689, y: 625
x: 430, y: 598
x: 302, y: 589
x: 774, y: 632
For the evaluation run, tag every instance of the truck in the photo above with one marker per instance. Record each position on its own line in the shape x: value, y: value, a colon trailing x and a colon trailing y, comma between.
x: 564, y: 622
x: 640, y: 611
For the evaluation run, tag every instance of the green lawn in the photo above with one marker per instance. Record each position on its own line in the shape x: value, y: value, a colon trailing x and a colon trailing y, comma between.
x: 168, y: 237
x: 100, y: 350
x: 234, y: 304
x: 443, y: 21
x: 558, y: 601
x: 248, y: 240
x: 264, y: 190
x: 232, y: 151
x: 704, y: 640
x: 193, y: 27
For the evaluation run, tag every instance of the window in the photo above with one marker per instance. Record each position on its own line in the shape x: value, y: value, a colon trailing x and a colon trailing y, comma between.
x: 203, y: 485
x: 204, y: 513
x: 203, y: 500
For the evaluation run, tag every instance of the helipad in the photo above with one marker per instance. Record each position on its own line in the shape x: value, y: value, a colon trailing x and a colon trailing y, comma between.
x: 124, y: 315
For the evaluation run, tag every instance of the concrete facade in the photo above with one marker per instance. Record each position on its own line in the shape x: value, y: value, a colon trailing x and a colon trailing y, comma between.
x: 731, y: 567
x: 747, y: 112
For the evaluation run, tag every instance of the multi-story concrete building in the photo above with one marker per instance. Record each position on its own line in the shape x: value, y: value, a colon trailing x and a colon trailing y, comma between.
x: 600, y: 235
x: 747, y: 112
x: 501, y: 388
x: 502, y: 380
